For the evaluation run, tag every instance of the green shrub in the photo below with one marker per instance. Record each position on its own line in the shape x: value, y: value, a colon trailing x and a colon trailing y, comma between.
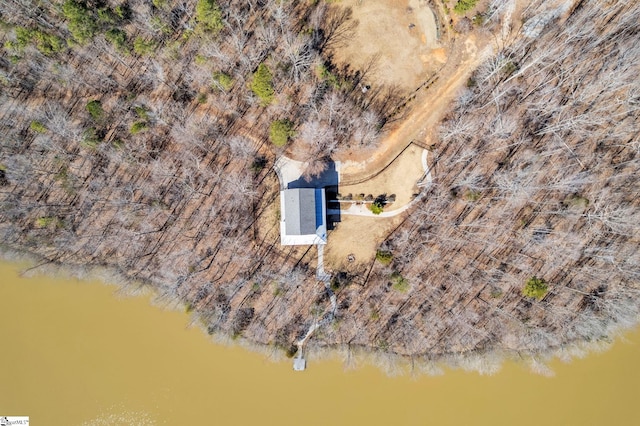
x: 335, y: 284
x: 12, y: 46
x: 3, y: 176
x: 118, y: 38
x: 46, y: 44
x: 37, y: 127
x: 90, y: 138
x: 142, y: 112
x: 262, y: 84
x: 259, y: 163
x: 463, y: 6
x: 399, y: 283
x: 173, y: 49
x: 144, y: 47
x: 44, y: 222
x: 377, y: 207
x: 276, y: 289
x: 496, y: 293
x: 160, y: 26
x: 509, y: 68
x: 478, y: 19
x: 384, y: 256
x: 209, y: 16
x: 107, y: 16
x: 280, y: 131
x: 122, y: 11
x: 23, y: 37
x: 222, y: 81
x: 535, y: 287
x: 82, y: 24
x: 291, y: 351
x: 576, y: 200
x: 139, y: 126
x: 324, y: 73
x: 472, y: 195
x: 95, y: 110
x: 63, y: 174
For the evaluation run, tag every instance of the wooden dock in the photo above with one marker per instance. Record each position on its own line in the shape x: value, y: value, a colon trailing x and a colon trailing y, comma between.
x: 299, y: 363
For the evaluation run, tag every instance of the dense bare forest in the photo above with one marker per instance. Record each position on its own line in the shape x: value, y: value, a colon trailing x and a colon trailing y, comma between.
x: 141, y: 136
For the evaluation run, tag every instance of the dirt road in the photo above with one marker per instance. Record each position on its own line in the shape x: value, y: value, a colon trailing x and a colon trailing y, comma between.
x: 428, y: 110
x: 465, y: 54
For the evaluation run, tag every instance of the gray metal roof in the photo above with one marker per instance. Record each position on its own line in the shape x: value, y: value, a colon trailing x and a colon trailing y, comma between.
x: 300, y: 211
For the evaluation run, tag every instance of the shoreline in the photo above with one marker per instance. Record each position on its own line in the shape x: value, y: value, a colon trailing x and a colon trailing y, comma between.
x: 352, y: 358
x: 126, y: 362
x: 521, y: 243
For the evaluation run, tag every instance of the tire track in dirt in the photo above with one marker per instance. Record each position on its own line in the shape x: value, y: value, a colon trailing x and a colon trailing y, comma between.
x: 420, y: 122
x: 432, y: 105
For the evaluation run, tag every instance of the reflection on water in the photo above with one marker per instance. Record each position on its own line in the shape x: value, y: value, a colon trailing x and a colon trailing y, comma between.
x: 73, y: 353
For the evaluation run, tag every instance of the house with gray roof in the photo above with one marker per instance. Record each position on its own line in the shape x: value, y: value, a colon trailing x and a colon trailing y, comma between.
x: 303, y: 216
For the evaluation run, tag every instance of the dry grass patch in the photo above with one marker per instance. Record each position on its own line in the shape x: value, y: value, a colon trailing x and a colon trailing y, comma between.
x: 400, y: 35
x: 399, y: 178
x: 358, y: 236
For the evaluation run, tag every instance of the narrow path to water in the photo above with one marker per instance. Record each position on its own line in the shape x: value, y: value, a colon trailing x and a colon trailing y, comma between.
x: 76, y: 353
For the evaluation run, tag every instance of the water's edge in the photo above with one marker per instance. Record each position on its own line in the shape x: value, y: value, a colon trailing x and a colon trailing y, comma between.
x: 484, y: 363
x: 78, y: 352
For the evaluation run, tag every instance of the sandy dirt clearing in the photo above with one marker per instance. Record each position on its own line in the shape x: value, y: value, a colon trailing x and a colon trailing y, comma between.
x: 399, y: 178
x: 399, y: 34
x: 428, y: 110
x: 358, y: 236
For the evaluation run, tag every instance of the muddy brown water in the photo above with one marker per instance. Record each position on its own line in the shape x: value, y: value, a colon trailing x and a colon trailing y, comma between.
x: 77, y: 353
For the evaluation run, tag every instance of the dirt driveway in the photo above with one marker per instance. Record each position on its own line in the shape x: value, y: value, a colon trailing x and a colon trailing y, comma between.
x: 428, y: 108
x: 385, y: 25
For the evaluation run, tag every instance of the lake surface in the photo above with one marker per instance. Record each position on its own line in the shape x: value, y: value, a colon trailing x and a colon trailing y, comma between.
x: 77, y: 353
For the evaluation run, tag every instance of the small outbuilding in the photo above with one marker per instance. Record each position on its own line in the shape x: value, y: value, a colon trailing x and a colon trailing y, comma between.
x: 303, y: 216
